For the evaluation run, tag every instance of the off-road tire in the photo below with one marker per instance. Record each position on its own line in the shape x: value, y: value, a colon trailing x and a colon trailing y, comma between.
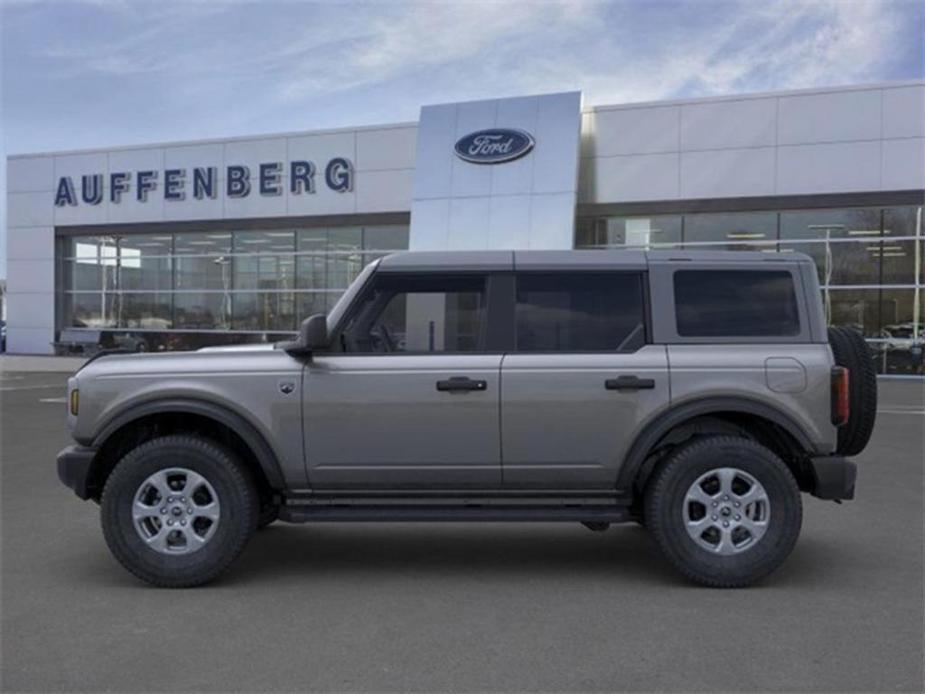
x: 237, y: 496
x: 664, y: 504
x: 851, y: 351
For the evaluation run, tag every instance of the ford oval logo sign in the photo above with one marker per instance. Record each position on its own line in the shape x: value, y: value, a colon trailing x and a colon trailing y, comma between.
x: 494, y: 146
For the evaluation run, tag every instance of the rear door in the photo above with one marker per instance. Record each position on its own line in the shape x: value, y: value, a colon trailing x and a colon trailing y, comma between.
x: 580, y: 379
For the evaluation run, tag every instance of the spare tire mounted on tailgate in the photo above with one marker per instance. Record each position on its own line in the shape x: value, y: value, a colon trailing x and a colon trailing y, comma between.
x: 851, y: 351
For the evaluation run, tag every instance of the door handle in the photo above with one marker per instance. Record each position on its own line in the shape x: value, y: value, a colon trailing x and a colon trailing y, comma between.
x: 460, y: 384
x: 629, y: 383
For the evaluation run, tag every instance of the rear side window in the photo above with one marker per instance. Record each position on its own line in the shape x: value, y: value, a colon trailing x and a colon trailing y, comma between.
x: 735, y: 303
x: 580, y: 312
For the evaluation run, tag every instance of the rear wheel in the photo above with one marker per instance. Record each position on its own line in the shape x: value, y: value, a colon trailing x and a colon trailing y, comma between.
x: 850, y: 351
x: 177, y: 510
x: 724, y: 510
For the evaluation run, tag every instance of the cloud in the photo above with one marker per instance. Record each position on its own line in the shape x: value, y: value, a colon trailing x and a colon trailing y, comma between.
x: 137, y: 71
x: 408, y: 38
x: 784, y: 45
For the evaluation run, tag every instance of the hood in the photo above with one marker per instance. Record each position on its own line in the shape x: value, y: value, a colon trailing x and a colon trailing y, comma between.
x: 207, y: 358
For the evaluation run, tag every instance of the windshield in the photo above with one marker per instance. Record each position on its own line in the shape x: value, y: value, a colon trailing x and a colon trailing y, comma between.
x: 348, y: 296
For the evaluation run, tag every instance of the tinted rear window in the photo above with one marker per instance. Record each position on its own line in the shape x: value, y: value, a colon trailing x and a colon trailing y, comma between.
x: 735, y: 303
x: 580, y: 312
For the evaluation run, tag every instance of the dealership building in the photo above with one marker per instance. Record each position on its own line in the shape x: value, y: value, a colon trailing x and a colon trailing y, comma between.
x: 186, y: 244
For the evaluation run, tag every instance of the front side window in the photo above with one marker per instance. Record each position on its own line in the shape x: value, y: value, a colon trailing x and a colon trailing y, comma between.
x: 580, y: 312
x: 735, y: 303
x: 419, y: 315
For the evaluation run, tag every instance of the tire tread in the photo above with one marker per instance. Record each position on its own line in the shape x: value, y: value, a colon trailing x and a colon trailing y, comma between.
x: 238, y: 477
x: 850, y: 351
x: 656, y: 492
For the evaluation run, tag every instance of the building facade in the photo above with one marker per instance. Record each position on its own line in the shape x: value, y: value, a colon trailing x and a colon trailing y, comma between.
x: 180, y: 245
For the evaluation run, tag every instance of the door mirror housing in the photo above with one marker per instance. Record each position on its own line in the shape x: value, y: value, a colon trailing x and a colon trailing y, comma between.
x: 313, y: 336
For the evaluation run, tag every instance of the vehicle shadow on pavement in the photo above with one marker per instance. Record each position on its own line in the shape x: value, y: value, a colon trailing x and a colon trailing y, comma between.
x: 299, y: 553
x: 287, y: 552
x: 624, y: 553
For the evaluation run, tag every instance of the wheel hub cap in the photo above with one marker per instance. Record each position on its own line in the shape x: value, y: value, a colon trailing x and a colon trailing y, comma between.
x: 176, y: 511
x: 726, y: 511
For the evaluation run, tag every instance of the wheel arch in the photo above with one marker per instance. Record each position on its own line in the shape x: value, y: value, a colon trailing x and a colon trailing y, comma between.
x: 111, y: 438
x: 778, y: 429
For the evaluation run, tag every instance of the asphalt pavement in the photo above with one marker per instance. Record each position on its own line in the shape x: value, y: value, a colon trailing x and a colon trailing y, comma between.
x: 459, y: 607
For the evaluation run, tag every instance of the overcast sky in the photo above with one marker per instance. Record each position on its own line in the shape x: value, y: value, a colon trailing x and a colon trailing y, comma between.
x: 78, y: 74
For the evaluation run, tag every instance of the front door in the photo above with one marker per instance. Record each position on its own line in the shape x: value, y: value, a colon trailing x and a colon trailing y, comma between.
x: 409, y: 397
x: 580, y: 380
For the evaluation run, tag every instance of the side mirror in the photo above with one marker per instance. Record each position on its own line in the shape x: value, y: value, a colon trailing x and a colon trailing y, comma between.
x: 313, y: 335
x: 314, y: 332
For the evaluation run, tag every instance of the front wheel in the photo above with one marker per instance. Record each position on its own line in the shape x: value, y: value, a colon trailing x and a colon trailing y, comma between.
x: 725, y: 511
x: 177, y: 510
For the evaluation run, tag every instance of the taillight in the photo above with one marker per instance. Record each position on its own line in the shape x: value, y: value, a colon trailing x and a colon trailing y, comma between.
x: 841, y: 408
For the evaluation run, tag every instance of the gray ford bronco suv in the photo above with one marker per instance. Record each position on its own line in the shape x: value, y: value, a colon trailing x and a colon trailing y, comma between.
x: 697, y: 394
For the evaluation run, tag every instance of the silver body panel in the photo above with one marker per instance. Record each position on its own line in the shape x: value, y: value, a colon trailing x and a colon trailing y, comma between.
x: 377, y: 421
x: 246, y: 382
x: 561, y: 428
x: 744, y: 371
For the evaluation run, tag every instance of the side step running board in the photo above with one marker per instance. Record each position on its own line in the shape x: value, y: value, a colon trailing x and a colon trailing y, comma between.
x: 446, y: 513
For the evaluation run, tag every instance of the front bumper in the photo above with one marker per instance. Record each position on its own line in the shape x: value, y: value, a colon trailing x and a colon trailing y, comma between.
x: 833, y: 477
x: 74, y: 464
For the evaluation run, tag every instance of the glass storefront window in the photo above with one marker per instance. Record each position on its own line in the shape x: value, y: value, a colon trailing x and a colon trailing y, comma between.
x: 86, y: 276
x: 329, y: 258
x: 255, y: 283
x: 92, y: 249
x: 89, y: 263
x: 146, y: 245
x: 92, y: 310
x: 635, y: 232
x: 899, y: 261
x: 264, y: 272
x: 203, y: 243
x: 863, y: 223
x: 902, y: 260
x: 202, y: 272
x: 148, y: 311
x: 897, y: 310
x: 737, y: 231
x: 202, y: 310
x: 145, y: 262
x: 841, y: 262
x: 900, y: 348
x: 250, y: 242
x: 902, y: 221
x: 344, y: 239
x: 310, y: 303
x: 263, y: 311
x: 854, y: 308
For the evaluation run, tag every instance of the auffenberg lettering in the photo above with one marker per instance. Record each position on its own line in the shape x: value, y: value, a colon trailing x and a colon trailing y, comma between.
x: 268, y: 178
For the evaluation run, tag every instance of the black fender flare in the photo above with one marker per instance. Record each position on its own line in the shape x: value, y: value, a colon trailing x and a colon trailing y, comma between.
x: 265, y: 456
x: 668, y: 420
